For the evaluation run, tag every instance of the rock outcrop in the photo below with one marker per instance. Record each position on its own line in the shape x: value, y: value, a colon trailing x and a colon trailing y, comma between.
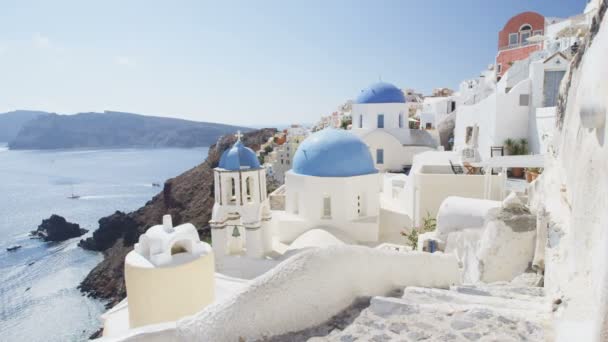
x: 56, y: 228
x: 187, y: 198
x: 111, y: 228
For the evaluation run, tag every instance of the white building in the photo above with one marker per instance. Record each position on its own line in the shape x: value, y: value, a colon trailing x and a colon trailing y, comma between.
x: 241, y: 212
x: 522, y: 103
x: 521, y: 106
x: 283, y: 154
x: 333, y: 185
x: 434, y: 109
x: 380, y: 118
x: 170, y: 274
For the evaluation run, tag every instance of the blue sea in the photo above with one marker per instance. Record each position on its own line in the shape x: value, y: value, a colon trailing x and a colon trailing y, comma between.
x: 38, y: 296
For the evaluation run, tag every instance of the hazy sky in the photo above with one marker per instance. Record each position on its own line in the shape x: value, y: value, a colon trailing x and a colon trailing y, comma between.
x: 245, y: 62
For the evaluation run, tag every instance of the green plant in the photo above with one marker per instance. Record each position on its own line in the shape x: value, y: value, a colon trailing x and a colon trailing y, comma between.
x: 429, y: 224
x: 345, y: 122
x: 516, y: 147
x: 268, y: 149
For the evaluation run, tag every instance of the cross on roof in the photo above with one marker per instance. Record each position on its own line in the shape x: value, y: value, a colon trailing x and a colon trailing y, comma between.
x: 238, y: 135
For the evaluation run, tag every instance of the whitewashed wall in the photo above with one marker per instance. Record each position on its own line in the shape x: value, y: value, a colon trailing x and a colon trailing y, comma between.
x: 306, y: 290
x: 574, y: 193
x: 305, y: 196
x: 370, y: 114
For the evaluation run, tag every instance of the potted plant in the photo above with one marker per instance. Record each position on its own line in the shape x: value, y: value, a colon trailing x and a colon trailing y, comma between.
x: 517, y: 148
x: 532, y: 173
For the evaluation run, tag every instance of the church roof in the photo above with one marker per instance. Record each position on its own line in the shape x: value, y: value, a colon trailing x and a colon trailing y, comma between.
x: 239, y: 157
x: 381, y: 92
x: 333, y: 153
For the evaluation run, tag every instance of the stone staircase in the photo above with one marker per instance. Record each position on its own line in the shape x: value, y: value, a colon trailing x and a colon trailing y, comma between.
x: 493, y: 312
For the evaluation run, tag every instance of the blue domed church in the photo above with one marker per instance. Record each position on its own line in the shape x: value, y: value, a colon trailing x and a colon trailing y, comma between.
x: 380, y: 117
x: 333, y: 186
x: 241, y: 213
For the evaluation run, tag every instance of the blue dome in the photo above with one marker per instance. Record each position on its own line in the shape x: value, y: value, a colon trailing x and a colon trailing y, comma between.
x: 381, y: 93
x: 239, y: 157
x: 333, y: 153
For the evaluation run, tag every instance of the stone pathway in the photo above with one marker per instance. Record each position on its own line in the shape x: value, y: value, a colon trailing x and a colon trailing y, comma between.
x: 493, y: 312
x: 498, y: 312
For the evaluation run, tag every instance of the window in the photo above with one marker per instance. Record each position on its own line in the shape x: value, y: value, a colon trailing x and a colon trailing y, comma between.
x: 538, y: 33
x: 326, y: 207
x: 524, y: 99
x: 469, y: 134
x: 400, y: 120
x: 526, y: 32
x: 526, y: 27
x: 281, y: 161
x: 287, y: 162
x: 499, y: 68
x: 380, y: 121
x: 379, y: 156
x: 232, y: 190
x: 360, y: 120
x: 524, y: 37
x: 249, y: 188
x: 429, y: 125
x: 359, y: 205
x: 513, y: 39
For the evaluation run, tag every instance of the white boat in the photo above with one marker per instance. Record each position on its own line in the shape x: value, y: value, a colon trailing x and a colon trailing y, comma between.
x: 73, y: 196
x: 13, y: 248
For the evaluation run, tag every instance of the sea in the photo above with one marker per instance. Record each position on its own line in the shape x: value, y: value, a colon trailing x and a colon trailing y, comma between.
x: 39, y: 299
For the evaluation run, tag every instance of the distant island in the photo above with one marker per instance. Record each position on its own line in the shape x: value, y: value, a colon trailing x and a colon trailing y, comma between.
x: 12, y: 122
x: 43, y: 131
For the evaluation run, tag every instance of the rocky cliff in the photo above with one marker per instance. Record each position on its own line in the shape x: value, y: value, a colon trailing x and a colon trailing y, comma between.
x: 188, y: 198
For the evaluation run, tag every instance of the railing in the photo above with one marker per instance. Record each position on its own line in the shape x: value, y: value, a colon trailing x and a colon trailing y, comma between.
x: 518, y: 45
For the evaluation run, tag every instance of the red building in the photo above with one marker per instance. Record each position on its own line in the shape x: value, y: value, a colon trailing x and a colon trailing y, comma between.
x: 513, y: 42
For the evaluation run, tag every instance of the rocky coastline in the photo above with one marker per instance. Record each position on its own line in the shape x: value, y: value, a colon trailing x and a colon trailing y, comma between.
x: 188, y: 198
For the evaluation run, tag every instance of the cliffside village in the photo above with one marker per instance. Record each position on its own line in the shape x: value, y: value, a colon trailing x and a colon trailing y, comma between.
x: 467, y: 214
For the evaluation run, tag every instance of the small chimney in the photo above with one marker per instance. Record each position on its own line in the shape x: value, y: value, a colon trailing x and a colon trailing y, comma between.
x: 167, y: 223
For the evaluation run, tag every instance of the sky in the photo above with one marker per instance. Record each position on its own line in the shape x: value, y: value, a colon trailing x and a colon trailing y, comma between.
x: 241, y: 62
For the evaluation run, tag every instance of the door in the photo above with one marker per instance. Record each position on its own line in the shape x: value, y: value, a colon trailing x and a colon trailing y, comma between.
x: 551, y: 87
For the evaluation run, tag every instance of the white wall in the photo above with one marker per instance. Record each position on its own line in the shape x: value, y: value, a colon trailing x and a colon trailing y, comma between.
x: 541, y: 132
x: 394, y: 159
x: 307, y: 290
x: 511, y: 118
x: 434, y: 109
x: 305, y: 197
x: 430, y: 190
x: 370, y: 114
x: 574, y: 193
x: 482, y: 114
x: 499, y: 116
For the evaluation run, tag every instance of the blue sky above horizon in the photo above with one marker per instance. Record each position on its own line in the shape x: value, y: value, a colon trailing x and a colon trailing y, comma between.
x: 241, y: 62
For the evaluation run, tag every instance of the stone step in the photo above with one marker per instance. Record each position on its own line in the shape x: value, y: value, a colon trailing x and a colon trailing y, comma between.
x: 502, y: 290
x: 425, y: 296
x: 388, y: 319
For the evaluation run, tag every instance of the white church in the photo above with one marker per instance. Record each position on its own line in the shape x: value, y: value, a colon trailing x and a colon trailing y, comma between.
x: 380, y: 119
x: 334, y: 187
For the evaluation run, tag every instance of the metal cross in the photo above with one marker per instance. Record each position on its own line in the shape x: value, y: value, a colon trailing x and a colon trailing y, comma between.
x: 238, y: 135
